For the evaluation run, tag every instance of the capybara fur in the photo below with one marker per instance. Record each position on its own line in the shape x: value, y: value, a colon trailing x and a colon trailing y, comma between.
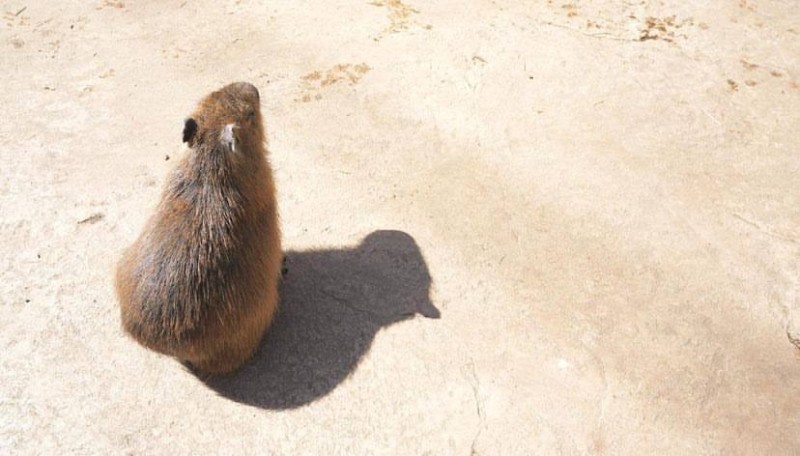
x: 201, y: 281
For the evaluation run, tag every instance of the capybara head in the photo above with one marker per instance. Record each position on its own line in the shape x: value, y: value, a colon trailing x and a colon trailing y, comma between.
x: 226, y: 121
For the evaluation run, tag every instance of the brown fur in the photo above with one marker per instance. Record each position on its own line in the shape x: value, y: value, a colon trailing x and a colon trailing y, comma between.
x: 201, y: 281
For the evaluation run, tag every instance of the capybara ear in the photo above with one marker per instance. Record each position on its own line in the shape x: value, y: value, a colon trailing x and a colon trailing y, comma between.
x: 189, y: 130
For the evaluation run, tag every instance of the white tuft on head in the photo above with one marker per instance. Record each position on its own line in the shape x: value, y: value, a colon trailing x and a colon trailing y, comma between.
x: 228, y: 138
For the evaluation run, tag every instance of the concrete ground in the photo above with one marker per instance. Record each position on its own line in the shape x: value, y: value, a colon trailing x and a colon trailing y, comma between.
x: 599, y: 201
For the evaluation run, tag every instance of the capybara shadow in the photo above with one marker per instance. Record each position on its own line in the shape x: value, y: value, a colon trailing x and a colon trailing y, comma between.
x: 333, y: 302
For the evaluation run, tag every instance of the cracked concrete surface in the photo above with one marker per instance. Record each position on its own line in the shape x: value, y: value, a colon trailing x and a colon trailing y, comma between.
x: 599, y: 200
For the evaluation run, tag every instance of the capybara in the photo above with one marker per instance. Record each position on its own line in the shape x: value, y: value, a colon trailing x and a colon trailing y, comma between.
x: 201, y: 281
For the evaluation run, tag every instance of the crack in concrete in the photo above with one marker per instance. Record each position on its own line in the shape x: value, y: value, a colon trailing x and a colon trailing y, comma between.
x: 766, y: 231
x: 475, y: 383
x: 606, y: 396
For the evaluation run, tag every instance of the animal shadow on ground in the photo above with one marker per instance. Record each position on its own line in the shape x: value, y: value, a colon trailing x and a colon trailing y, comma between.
x: 333, y: 302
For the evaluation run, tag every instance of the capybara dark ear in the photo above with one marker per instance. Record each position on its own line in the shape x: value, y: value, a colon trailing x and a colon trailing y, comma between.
x: 189, y: 130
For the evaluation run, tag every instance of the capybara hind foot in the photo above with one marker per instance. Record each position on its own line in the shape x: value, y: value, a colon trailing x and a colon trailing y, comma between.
x: 219, y: 366
x: 224, y: 361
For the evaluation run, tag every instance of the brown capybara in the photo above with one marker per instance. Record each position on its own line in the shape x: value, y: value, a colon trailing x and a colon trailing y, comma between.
x: 201, y: 281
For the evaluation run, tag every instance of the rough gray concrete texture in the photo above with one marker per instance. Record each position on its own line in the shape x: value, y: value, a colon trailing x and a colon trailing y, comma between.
x: 600, y: 198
